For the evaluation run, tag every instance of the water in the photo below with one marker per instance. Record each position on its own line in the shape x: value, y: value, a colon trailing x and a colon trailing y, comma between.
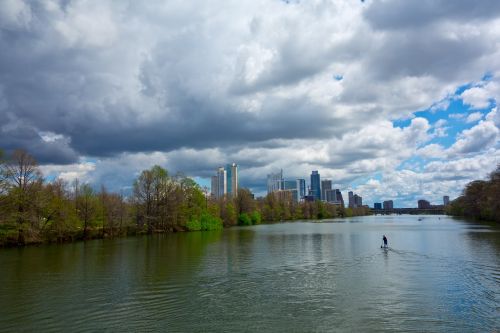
x: 438, y: 275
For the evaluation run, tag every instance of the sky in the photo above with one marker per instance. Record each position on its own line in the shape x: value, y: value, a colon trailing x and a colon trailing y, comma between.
x: 395, y: 100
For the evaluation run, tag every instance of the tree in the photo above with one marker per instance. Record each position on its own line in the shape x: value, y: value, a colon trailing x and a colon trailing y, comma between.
x: 244, y: 201
x: 87, y: 208
x: 22, y: 180
x: 144, y: 197
x: 3, y: 181
x: 60, y: 220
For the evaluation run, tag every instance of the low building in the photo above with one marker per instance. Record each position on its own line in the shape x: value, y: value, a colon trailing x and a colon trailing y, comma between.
x: 388, y: 204
x: 424, y: 204
x: 377, y: 205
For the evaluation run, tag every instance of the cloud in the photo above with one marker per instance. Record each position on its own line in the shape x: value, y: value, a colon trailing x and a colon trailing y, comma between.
x: 481, y: 96
x: 473, y: 117
x: 14, y: 14
x: 480, y: 137
x: 432, y: 150
x: 192, y: 85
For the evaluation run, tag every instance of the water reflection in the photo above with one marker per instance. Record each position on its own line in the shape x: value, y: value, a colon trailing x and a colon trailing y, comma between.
x: 437, y: 275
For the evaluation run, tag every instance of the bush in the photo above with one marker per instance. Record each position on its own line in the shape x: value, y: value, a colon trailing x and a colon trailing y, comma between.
x: 193, y: 225
x: 210, y: 222
x: 256, y: 217
x: 204, y: 222
x: 244, y: 219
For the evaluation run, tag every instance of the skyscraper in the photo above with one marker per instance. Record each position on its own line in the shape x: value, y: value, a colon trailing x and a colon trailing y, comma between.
x: 351, y: 199
x: 446, y: 200
x: 338, y: 197
x: 232, y: 179
x: 316, y: 185
x: 275, y: 182
x: 301, y: 187
x: 221, y: 182
x: 225, y: 182
x: 214, y: 188
x: 358, y: 201
x: 325, y: 186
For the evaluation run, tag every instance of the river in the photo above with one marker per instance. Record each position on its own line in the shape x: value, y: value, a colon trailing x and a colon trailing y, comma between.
x: 438, y: 275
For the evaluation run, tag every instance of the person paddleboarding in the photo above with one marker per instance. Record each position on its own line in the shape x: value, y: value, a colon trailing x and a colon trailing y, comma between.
x: 385, y: 241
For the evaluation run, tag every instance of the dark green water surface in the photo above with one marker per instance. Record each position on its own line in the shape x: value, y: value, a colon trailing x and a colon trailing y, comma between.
x: 439, y: 275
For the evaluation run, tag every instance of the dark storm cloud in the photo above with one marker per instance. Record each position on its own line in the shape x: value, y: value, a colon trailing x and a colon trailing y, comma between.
x: 72, y: 87
x: 407, y: 54
x: 394, y: 14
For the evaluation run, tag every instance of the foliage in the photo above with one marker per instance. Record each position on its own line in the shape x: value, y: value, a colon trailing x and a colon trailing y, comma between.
x: 256, y: 217
x: 33, y: 210
x: 244, y: 219
x: 205, y: 222
x: 480, y: 199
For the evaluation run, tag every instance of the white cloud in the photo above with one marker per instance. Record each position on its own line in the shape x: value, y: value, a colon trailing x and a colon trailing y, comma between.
x: 473, y: 117
x: 480, y: 137
x: 480, y: 97
x: 69, y: 172
x: 432, y: 150
x: 457, y: 115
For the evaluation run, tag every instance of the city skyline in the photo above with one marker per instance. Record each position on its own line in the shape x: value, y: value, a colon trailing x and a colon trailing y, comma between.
x: 393, y: 100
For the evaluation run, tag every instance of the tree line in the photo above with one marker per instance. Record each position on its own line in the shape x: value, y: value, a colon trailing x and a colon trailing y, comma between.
x: 34, y: 210
x: 480, y: 199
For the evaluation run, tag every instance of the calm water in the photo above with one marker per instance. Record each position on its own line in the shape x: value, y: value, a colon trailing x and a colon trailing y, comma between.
x: 438, y: 275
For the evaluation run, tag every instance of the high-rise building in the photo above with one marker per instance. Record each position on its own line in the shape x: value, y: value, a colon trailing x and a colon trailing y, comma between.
x: 388, y: 204
x: 221, y: 182
x: 275, y: 182
x: 214, y: 188
x: 225, y: 182
x: 232, y: 179
x: 446, y: 200
x: 338, y: 197
x: 355, y: 200
x: 334, y: 196
x: 301, y: 187
x: 316, y: 185
x: 325, y: 186
x: 358, y: 201
x: 291, y: 185
x: 329, y: 195
x: 377, y: 205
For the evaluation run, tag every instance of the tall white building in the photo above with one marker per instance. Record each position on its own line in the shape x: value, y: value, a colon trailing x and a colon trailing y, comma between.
x: 221, y: 182
x: 225, y: 182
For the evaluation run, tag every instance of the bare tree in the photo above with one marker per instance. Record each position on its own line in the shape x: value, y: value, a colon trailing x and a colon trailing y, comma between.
x: 22, y: 179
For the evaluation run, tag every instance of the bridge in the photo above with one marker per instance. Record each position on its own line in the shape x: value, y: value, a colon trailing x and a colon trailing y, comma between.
x: 411, y: 211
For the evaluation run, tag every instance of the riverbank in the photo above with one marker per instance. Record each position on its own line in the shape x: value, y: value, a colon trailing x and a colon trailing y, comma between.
x: 10, y: 234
